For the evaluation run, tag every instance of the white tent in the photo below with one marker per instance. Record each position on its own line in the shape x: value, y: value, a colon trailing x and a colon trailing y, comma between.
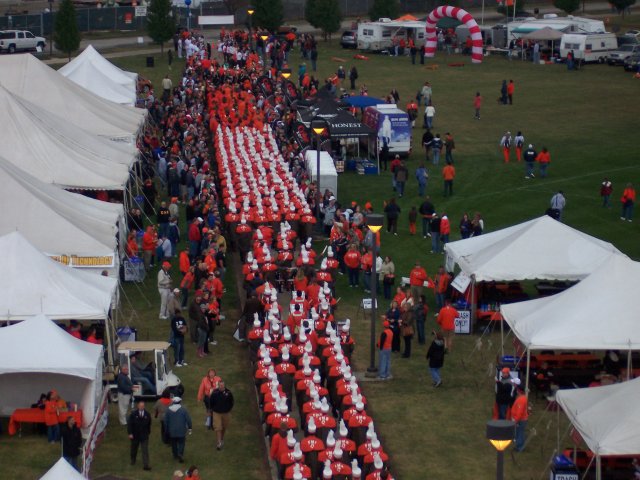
x: 542, y: 248
x: 37, y: 355
x: 61, y: 470
x: 29, y: 78
x: 328, y: 174
x: 95, y: 73
x: 599, y: 313
x: 34, y: 284
x: 80, y: 231
x: 59, y: 152
x: 608, y: 417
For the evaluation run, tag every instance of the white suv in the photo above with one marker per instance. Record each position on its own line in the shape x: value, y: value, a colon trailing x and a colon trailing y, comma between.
x: 14, y: 40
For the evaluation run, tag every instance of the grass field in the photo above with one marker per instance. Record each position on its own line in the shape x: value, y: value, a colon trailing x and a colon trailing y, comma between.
x: 587, y: 119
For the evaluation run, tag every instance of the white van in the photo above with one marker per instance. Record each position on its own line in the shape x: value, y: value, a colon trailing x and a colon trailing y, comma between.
x: 588, y: 47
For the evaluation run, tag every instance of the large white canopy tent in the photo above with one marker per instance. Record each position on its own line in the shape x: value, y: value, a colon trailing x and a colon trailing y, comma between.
x: 37, y: 355
x: 29, y: 78
x: 607, y: 418
x: 34, y: 284
x: 61, y: 224
x: 62, y: 470
x: 57, y: 151
x: 542, y: 249
x: 599, y: 313
x: 95, y: 73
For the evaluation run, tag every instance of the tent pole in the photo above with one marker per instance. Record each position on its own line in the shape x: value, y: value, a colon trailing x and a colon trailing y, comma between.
x: 558, y: 430
x: 502, y: 335
x: 473, y: 302
x: 107, y: 329
x: 629, y: 362
x: 378, y: 155
x: 526, y: 382
x: 598, y: 468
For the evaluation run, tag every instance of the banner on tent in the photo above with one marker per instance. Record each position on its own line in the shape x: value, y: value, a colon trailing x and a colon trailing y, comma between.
x: 96, y: 430
x: 84, y: 262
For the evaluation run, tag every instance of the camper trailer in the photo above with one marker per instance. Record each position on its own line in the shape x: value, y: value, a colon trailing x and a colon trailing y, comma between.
x: 569, y: 24
x: 494, y: 35
x: 588, y: 47
x: 378, y: 36
x: 393, y: 127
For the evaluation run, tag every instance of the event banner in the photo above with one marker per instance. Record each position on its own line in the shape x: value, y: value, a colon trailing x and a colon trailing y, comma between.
x: 96, y: 430
x: 77, y: 261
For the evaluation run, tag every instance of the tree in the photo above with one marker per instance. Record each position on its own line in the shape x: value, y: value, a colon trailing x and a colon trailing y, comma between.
x: 160, y: 22
x: 66, y: 35
x: 269, y: 14
x: 510, y: 5
x: 310, y: 13
x: 383, y: 9
x: 622, y: 6
x: 568, y: 6
x: 325, y: 15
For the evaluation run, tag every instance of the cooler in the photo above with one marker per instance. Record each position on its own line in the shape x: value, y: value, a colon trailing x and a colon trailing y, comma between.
x: 563, y: 469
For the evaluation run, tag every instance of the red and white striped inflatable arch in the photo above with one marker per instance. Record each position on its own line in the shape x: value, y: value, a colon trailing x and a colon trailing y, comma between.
x: 431, y: 40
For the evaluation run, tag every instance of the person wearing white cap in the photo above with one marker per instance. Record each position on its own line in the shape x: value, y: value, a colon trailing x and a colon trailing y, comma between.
x: 177, y: 422
x: 329, y: 212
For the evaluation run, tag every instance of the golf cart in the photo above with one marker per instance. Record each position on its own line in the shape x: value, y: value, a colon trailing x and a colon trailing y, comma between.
x: 152, y: 358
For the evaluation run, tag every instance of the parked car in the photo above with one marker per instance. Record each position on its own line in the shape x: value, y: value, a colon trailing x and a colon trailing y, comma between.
x: 619, y: 56
x: 632, y: 63
x: 15, y: 40
x: 349, y: 39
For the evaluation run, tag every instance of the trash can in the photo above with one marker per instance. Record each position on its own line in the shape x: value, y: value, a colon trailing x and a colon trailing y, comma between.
x: 563, y: 469
x: 150, y: 62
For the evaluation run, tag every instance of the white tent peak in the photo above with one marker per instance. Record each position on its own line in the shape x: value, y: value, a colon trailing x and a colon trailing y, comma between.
x: 32, y: 284
x: 607, y: 417
x: 542, y: 248
x: 600, y: 313
x: 62, y: 470
x: 29, y: 78
x: 98, y: 75
x: 58, y: 152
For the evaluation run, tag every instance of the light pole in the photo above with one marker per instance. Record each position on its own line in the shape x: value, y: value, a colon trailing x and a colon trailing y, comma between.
x: 188, y: 4
x: 374, y: 223
x: 51, y: 26
x: 319, y: 126
x: 500, y: 434
x: 264, y: 48
x: 250, y: 11
x: 286, y: 73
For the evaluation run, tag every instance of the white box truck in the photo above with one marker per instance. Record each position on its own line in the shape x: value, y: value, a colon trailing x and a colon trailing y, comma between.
x: 393, y: 127
x: 588, y: 47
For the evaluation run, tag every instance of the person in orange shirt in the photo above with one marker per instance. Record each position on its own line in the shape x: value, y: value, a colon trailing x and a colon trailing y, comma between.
x: 417, y: 277
x: 447, y: 321
x: 520, y: 415
x: 628, y: 200
x: 543, y: 158
x: 442, y: 284
x: 51, y: 419
x: 352, y: 260
x: 149, y: 247
x: 208, y: 384
x: 384, y: 346
x: 511, y: 88
x: 448, y: 174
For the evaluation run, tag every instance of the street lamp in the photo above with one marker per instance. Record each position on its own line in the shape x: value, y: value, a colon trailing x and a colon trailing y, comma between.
x: 286, y: 73
x: 250, y: 11
x: 264, y: 48
x: 500, y: 434
x: 52, y: 28
x: 188, y: 4
x: 374, y: 223
x: 319, y: 126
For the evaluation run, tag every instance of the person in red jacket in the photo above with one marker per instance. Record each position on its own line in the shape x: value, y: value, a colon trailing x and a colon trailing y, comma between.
x: 520, y: 415
x: 441, y: 285
x: 51, y: 413
x: 417, y: 277
x: 384, y: 345
x: 445, y: 229
x: 195, y: 237
x: 447, y: 321
x: 149, y: 247
x: 628, y: 201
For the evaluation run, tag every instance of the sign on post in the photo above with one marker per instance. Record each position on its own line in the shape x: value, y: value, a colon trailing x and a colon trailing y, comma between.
x: 463, y: 321
x: 141, y: 11
x: 367, y: 303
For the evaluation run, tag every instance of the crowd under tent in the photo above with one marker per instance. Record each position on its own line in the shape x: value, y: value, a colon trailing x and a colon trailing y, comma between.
x: 73, y: 229
x: 26, y: 76
x: 599, y: 313
x: 37, y: 355
x: 607, y: 418
x: 93, y: 72
x: 58, y: 152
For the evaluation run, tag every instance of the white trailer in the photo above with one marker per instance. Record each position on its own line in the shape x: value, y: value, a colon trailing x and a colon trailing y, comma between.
x: 378, y: 36
x: 568, y: 24
x: 588, y: 47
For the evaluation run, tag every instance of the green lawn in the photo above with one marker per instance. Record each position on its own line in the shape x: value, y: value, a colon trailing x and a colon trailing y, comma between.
x: 587, y: 119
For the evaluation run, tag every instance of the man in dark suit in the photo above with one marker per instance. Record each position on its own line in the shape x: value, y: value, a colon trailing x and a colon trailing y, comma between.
x: 139, y: 429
